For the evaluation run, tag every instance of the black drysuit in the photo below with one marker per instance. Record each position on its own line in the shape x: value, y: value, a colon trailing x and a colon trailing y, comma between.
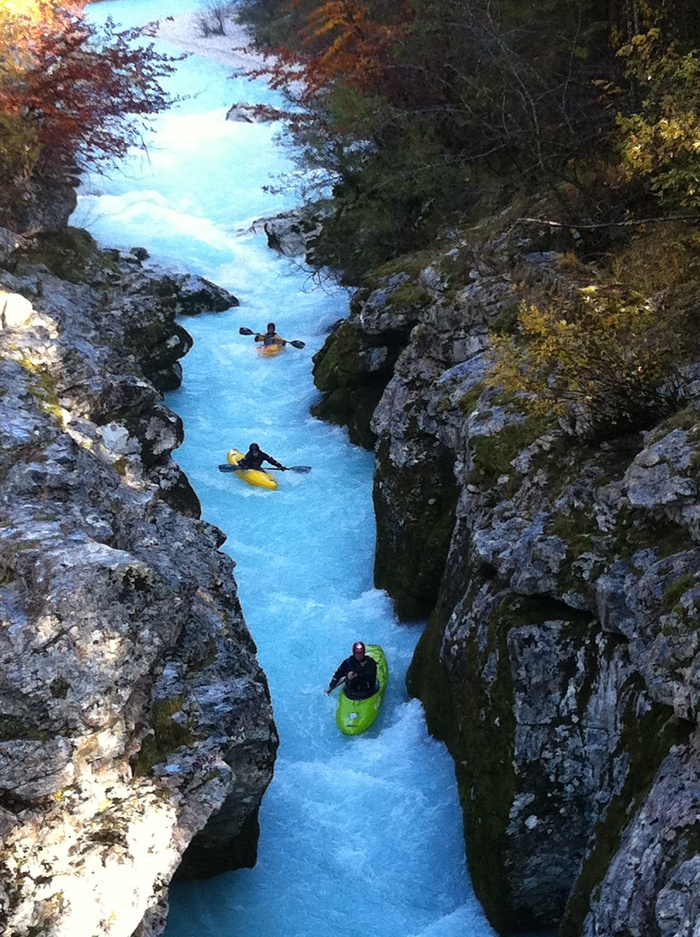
x: 363, y: 684
x: 254, y: 460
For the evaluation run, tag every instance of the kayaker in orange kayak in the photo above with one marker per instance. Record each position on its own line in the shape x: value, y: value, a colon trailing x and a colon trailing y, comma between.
x: 270, y: 337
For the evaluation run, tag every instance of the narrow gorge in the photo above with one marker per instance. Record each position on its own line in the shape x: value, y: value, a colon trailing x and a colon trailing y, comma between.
x: 168, y: 760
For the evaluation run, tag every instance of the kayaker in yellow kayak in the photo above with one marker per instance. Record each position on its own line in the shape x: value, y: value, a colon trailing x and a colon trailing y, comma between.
x: 359, y: 673
x: 270, y: 337
x: 254, y: 458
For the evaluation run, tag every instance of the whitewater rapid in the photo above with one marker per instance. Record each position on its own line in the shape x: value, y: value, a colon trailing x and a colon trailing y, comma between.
x: 361, y: 836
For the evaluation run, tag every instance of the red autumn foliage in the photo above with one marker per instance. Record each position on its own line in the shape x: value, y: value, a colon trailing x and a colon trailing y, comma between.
x: 345, y: 41
x: 82, y: 91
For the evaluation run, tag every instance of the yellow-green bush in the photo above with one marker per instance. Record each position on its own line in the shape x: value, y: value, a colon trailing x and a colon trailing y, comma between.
x: 608, y: 357
x: 658, y: 143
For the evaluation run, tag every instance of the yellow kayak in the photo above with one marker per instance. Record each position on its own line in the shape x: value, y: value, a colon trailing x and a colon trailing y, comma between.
x: 269, y: 351
x: 259, y: 478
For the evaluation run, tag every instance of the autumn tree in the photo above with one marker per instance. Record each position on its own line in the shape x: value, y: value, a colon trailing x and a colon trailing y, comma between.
x: 70, y: 93
x: 419, y: 108
x: 338, y: 43
x: 658, y: 141
x: 413, y: 103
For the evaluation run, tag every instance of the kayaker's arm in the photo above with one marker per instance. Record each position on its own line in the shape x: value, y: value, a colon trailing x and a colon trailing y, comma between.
x: 335, y: 683
x: 340, y: 676
x: 268, y: 458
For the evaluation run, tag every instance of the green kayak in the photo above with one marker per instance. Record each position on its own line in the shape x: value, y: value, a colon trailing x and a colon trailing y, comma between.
x: 355, y: 715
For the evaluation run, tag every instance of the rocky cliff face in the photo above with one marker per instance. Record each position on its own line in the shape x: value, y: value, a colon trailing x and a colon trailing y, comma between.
x: 42, y: 203
x: 136, y: 732
x: 561, y: 661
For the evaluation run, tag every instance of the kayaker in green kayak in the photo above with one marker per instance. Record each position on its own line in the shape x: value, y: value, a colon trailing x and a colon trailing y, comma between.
x: 359, y: 673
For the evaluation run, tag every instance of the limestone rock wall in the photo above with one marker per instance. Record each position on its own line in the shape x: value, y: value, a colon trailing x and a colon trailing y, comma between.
x: 561, y: 660
x: 135, y: 721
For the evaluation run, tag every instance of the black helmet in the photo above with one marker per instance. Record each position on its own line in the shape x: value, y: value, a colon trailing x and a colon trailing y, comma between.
x: 254, y: 447
x: 271, y: 327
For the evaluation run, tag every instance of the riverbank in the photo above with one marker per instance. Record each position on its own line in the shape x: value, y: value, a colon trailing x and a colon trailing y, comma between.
x: 132, y: 706
x: 186, y: 32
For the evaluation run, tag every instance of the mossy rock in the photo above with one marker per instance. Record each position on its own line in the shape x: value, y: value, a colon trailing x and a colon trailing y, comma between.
x: 12, y: 729
x: 167, y: 736
x: 73, y: 255
x: 637, y: 529
x: 474, y: 715
x: 411, y: 295
x: 678, y: 588
x: 489, y: 782
x: 409, y: 264
x: 492, y: 454
x: 59, y: 687
x: 352, y: 392
x: 467, y: 402
x: 486, y: 777
x: 415, y: 512
x: 335, y: 364
x: 428, y: 681
x: 687, y: 419
x: 352, y: 409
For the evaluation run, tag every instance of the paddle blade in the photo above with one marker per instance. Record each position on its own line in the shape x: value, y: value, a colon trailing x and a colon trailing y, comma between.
x: 244, y: 331
x: 227, y: 468
x: 297, y: 343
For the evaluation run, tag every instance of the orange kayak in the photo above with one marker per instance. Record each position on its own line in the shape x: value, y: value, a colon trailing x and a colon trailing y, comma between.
x: 270, y: 351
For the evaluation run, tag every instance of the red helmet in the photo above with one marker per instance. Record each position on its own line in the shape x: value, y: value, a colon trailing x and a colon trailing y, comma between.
x: 358, y: 648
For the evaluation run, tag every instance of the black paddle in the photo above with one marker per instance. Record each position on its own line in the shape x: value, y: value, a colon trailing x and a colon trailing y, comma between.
x: 295, y: 342
x: 299, y: 469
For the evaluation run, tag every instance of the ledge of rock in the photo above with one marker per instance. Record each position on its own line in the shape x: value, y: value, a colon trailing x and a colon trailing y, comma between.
x: 291, y: 232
